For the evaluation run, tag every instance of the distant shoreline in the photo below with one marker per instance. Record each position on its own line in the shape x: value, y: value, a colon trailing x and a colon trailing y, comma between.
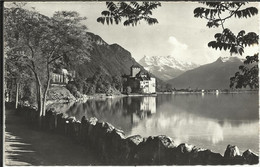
x: 212, y: 92
x: 104, y: 96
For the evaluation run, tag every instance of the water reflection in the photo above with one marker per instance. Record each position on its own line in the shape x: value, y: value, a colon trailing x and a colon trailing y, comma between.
x: 147, y: 108
x: 207, y: 121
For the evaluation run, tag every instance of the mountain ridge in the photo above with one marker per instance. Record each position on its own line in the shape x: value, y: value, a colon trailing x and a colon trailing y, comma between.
x: 215, y: 75
x: 165, y: 67
x: 113, y: 59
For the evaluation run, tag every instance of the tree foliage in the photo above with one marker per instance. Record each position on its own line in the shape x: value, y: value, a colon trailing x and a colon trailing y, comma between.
x: 131, y: 12
x: 39, y: 42
x: 247, y: 76
x: 234, y: 43
x: 217, y: 13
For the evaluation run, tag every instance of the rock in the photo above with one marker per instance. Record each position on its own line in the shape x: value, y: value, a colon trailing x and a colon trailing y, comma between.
x: 76, y: 130
x: 93, y: 120
x: 205, y: 157
x: 250, y: 157
x: 60, y: 123
x: 83, y: 130
x: 154, y: 151
x: 83, y: 119
x: 128, y: 149
x: 182, y: 154
x: 113, y: 145
x: 91, y: 133
x: 52, y: 121
x: 232, y: 156
x: 72, y: 119
x: 185, y: 148
x: 231, y: 151
x: 134, y: 140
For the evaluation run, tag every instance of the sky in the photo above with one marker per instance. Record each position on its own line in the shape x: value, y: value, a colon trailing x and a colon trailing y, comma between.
x: 178, y: 32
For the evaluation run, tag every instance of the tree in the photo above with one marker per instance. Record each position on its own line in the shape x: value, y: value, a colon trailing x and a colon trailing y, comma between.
x: 247, y: 76
x: 43, y: 42
x: 117, y: 82
x: 217, y: 13
x: 168, y: 87
x: 17, y: 74
x: 128, y: 90
x: 132, y: 12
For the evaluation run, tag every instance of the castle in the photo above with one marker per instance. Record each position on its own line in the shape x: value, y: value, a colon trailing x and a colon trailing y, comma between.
x: 139, y: 81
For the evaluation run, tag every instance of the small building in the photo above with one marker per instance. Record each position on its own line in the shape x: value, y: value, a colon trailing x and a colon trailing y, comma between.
x: 139, y: 81
x: 62, y: 78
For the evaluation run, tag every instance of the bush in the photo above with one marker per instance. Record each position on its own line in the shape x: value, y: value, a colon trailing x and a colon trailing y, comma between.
x: 72, y: 88
x: 128, y: 90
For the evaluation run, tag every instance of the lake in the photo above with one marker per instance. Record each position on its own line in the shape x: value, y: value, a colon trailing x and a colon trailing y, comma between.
x: 207, y: 121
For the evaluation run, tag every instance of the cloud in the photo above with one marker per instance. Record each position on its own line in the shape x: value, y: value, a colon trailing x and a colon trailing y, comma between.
x: 178, y: 50
x: 176, y: 44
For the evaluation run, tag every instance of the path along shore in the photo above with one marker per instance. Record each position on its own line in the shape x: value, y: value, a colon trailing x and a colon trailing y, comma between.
x: 26, y: 146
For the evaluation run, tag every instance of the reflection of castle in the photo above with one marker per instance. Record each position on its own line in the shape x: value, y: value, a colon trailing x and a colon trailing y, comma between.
x: 147, y: 108
x: 148, y: 104
x: 139, y: 81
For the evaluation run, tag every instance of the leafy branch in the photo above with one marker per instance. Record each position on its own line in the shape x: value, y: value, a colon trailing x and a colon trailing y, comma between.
x: 217, y: 13
x: 132, y: 12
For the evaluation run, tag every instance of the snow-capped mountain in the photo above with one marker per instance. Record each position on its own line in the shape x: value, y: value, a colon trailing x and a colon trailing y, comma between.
x: 230, y: 59
x: 165, y: 67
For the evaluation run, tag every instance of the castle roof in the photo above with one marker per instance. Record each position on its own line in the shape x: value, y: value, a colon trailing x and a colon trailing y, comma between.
x: 135, y: 66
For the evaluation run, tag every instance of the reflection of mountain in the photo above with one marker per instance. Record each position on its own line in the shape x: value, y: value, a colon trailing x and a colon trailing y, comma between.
x: 182, y: 126
x: 120, y: 112
x: 209, y: 122
x: 243, y: 106
x: 190, y: 128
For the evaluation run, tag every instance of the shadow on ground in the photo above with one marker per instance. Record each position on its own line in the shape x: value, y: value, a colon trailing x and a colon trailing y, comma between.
x: 26, y: 146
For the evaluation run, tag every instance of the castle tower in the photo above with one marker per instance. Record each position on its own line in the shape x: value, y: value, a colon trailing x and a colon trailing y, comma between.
x: 134, y: 70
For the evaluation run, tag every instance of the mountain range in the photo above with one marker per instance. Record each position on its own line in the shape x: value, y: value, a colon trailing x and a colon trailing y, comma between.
x: 113, y: 59
x: 215, y: 75
x: 165, y: 67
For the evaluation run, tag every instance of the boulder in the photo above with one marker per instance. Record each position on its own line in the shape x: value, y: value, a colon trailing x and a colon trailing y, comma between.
x: 231, y: 151
x: 71, y: 126
x: 232, y: 156
x: 83, y: 130
x: 91, y: 133
x: 52, y: 121
x: 60, y: 124
x: 205, y: 157
x: 250, y: 157
x: 129, y: 148
x: 154, y: 151
x: 113, y: 146
x: 76, y: 130
x: 182, y: 154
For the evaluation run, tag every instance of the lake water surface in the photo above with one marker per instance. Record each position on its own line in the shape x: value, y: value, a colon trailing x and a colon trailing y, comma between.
x: 207, y: 121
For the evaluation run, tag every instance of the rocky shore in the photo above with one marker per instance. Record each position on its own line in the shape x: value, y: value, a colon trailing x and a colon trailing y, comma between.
x: 115, y: 148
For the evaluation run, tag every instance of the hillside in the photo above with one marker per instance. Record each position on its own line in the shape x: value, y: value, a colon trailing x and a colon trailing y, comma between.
x: 215, y: 75
x: 113, y: 59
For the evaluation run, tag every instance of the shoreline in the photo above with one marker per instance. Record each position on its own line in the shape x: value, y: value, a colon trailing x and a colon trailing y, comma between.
x: 104, y: 96
x: 114, y: 147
